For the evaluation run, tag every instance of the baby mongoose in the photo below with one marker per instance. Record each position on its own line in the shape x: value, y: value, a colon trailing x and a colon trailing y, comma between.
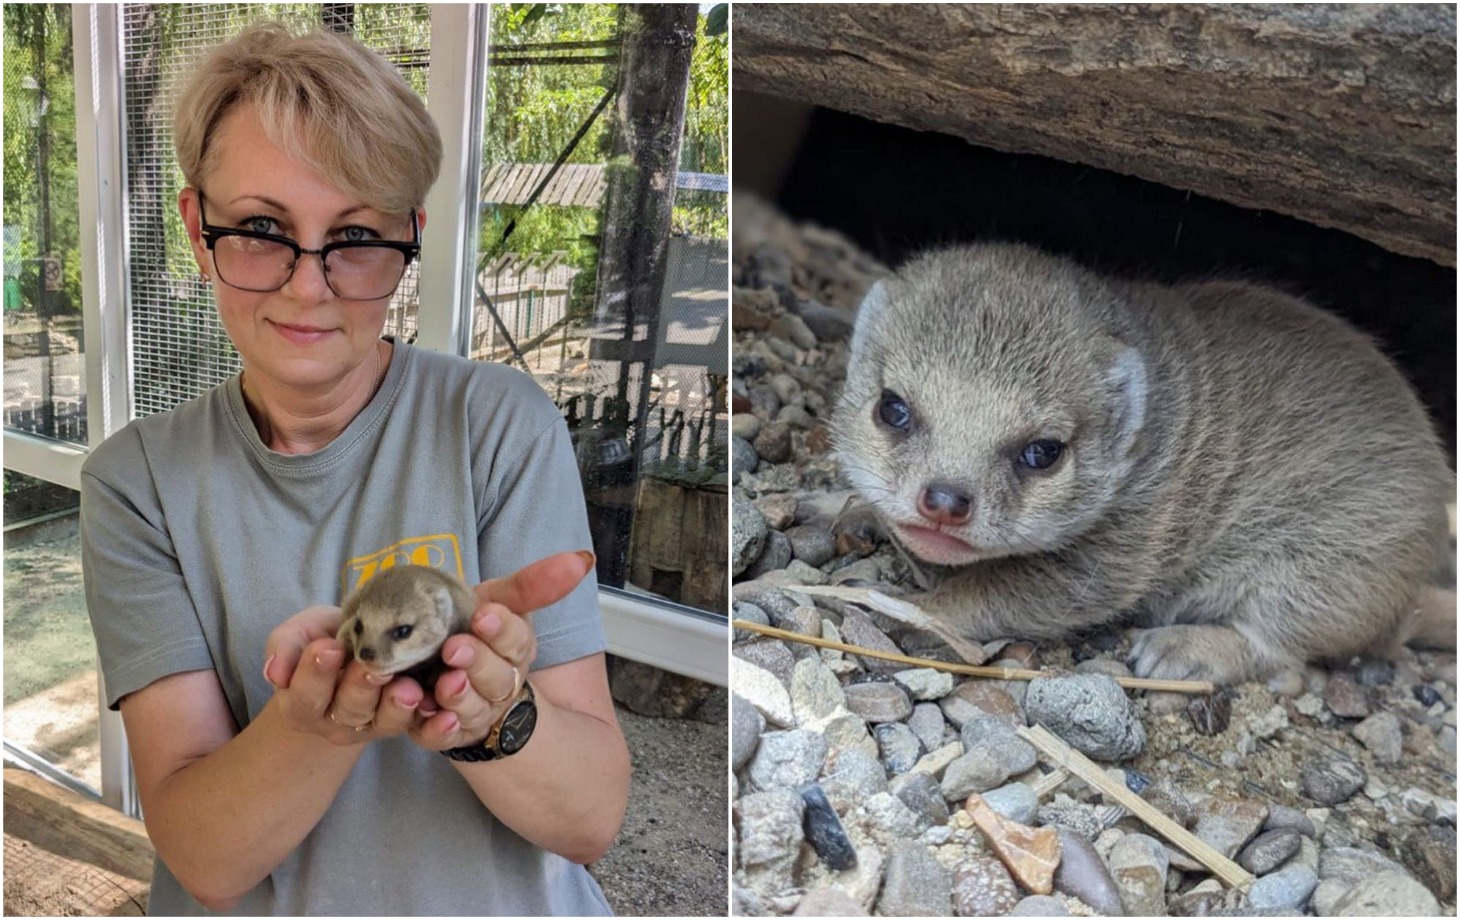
x: 1221, y: 461
x: 397, y: 621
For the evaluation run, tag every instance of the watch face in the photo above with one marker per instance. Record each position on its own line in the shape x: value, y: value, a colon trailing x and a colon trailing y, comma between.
x: 517, y: 727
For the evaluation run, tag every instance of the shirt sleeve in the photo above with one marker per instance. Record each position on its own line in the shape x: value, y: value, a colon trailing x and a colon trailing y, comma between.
x: 537, y: 509
x: 141, y: 612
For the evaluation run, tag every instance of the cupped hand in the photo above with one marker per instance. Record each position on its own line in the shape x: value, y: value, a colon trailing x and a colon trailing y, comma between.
x: 489, y: 664
x: 320, y: 693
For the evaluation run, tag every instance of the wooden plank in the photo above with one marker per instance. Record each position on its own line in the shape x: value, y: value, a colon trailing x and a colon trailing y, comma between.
x: 39, y: 883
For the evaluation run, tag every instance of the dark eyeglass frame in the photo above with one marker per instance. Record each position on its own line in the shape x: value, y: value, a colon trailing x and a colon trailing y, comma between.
x: 212, y: 233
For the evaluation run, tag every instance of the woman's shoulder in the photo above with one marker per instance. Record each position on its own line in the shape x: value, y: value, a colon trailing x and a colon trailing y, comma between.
x: 146, y: 441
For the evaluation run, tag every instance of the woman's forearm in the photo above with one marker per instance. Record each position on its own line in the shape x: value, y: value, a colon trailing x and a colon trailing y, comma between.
x: 566, y: 790
x: 225, y: 821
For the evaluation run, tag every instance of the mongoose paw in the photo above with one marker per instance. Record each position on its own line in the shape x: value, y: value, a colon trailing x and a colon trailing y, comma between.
x: 1217, y: 654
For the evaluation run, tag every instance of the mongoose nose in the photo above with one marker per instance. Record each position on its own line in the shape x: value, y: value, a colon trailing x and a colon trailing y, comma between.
x: 942, y: 504
x: 366, y: 654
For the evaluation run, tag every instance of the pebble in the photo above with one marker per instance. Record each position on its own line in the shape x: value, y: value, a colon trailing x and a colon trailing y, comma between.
x: 1269, y: 723
x: 824, y: 830
x: 1210, y: 715
x: 803, y: 620
x: 1382, y: 734
x: 1345, y: 698
x: 1040, y: 905
x: 743, y: 458
x: 1331, y: 780
x: 916, y: 885
x: 812, y: 545
x: 828, y: 902
x: 858, y: 629
x: 973, y: 697
x: 1074, y: 816
x: 1082, y: 874
x: 1014, y: 801
x: 747, y: 535
x: 889, y: 820
x: 1284, y: 890
x: 994, y: 735
x: 816, y: 694
x: 853, y: 777
x: 1269, y: 850
x: 775, y: 554
x: 1429, y: 853
x: 847, y: 732
x: 1201, y: 901
x: 786, y: 760
x: 984, y: 888
x: 1138, y: 864
x: 1374, y: 672
x: 769, y: 826
x: 828, y: 323
x: 1227, y: 823
x: 779, y: 509
x: 770, y: 654
x: 1427, y: 695
x: 1170, y: 800
x: 1284, y: 816
x: 1090, y: 712
x: 1433, y: 808
x: 927, y: 723
x: 1031, y: 855
x: 762, y: 690
x: 897, y: 746
x: 746, y: 724
x: 976, y: 771
x: 878, y: 701
x: 925, y: 684
x: 923, y: 795
x: 745, y: 425
x: 937, y: 760
x: 1388, y: 894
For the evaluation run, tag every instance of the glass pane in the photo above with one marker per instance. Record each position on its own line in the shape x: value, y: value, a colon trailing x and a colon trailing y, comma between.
x: 51, y: 703
x: 610, y: 286
x: 44, y: 366
x: 179, y: 347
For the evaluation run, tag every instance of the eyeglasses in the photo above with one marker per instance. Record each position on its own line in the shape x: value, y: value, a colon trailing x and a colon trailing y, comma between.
x: 264, y: 262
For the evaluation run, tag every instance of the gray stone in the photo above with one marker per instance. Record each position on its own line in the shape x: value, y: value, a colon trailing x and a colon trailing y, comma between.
x: 747, y: 535
x: 1039, y: 905
x: 751, y: 614
x: 1015, y: 801
x: 1382, y: 735
x: 828, y: 902
x: 1352, y: 865
x: 1090, y: 712
x: 878, y: 701
x: 1227, y: 824
x: 1169, y: 799
x: 927, y: 723
x: 828, y: 323
x: 1331, y: 780
x: 897, y: 746
x: 1082, y: 874
x: 762, y: 690
x: 771, y: 654
x: 775, y: 554
x: 803, y: 620
x: 779, y: 509
x: 1429, y: 853
x: 974, y: 771
x: 925, y: 683
x: 973, y: 697
x: 816, y: 694
x: 845, y: 732
x: 743, y: 458
x: 745, y: 425
x: 746, y: 724
x: 858, y: 629
x: 984, y: 888
x: 787, y: 760
x: 1269, y: 850
x: 858, y: 773
x: 1284, y: 816
x: 769, y: 827
x: 1286, y: 889
x: 1138, y: 864
x: 1431, y: 807
x: 773, y: 442
x: 923, y: 795
x: 1388, y: 894
x: 1072, y: 816
x: 812, y: 545
x: 916, y: 885
x: 889, y: 821
x: 1345, y: 698
x: 994, y: 735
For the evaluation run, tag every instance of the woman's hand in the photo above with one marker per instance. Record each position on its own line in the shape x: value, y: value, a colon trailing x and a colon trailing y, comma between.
x: 489, y: 665
x: 320, y: 693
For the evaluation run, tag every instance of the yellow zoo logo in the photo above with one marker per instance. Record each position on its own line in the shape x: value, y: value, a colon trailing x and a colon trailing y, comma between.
x: 439, y: 551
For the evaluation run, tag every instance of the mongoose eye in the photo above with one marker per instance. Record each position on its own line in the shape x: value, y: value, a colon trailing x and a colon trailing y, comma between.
x: 401, y: 632
x: 1041, y: 454
x: 359, y: 627
x: 893, y: 411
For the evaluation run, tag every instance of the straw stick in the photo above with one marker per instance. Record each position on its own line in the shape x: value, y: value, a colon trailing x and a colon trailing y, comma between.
x: 1066, y: 757
x: 1132, y: 683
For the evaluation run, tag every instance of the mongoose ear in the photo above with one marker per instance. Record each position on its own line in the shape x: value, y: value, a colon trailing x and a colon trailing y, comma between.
x: 1126, y: 383
x: 874, y: 303
x: 445, y: 606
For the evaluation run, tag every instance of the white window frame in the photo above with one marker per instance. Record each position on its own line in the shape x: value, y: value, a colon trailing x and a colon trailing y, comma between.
x: 663, y: 635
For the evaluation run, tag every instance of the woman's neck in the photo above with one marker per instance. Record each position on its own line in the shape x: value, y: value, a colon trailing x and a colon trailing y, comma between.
x: 291, y: 421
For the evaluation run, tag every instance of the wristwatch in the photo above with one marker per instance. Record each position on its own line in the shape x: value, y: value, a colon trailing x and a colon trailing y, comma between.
x: 509, y: 734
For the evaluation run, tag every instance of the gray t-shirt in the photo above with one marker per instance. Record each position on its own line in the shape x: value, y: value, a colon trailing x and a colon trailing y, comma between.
x: 197, y: 540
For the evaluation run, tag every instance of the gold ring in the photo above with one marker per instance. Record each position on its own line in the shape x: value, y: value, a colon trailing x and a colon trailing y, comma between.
x: 516, y: 686
x: 356, y: 728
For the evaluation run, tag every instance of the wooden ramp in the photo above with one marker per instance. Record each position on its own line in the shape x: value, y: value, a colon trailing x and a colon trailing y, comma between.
x: 66, y: 855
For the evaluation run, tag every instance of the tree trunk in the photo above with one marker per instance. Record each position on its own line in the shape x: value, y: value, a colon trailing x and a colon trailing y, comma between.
x: 1343, y: 116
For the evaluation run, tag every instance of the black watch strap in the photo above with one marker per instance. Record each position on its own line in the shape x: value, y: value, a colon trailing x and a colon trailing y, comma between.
x: 508, y: 736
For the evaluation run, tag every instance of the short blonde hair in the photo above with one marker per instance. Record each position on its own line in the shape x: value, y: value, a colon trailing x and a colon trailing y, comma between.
x: 322, y: 97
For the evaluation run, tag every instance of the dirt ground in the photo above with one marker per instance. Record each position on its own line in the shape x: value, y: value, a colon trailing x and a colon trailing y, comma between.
x: 671, y: 858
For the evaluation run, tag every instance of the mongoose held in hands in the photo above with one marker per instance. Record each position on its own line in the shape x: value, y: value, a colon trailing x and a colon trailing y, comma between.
x: 398, y: 620
x: 1221, y: 461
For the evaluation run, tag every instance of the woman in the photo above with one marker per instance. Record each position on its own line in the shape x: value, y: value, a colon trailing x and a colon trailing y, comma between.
x: 275, y: 776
